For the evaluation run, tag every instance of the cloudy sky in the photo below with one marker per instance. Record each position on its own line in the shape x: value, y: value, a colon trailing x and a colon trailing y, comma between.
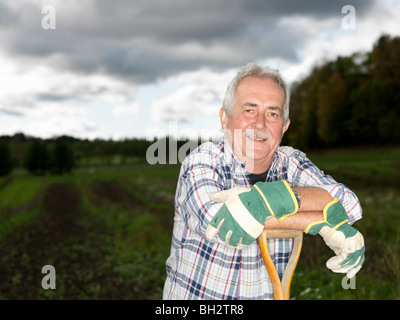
x: 121, y: 69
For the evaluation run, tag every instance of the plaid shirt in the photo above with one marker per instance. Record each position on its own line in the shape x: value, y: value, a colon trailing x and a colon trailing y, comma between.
x: 200, y: 269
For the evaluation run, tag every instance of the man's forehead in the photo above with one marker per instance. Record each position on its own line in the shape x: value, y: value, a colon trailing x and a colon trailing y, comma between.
x: 256, y: 84
x: 252, y: 89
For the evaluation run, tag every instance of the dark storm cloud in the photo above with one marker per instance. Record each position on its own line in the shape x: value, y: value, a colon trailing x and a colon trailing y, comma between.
x: 145, y: 40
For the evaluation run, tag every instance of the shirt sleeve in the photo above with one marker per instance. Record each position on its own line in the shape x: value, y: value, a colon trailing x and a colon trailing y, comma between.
x: 200, y: 177
x: 302, y: 173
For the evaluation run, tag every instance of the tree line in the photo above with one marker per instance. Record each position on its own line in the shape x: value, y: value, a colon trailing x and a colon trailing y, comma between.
x: 40, y: 157
x: 354, y: 100
x: 62, y: 154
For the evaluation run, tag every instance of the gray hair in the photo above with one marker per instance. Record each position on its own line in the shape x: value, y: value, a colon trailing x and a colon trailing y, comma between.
x: 253, y: 70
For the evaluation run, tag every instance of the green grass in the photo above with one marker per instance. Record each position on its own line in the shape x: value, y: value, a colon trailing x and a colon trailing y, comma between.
x: 2, y: 180
x: 355, y: 164
x: 20, y: 201
x: 20, y: 192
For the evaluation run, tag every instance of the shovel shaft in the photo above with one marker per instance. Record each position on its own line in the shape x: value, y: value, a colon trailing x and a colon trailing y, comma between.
x: 281, y: 289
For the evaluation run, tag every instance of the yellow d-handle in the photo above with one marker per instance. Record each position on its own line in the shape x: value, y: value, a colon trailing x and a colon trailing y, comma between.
x: 281, y: 289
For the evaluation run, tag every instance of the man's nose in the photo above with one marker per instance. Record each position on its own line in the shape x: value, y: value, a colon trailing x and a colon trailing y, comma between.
x: 260, y: 121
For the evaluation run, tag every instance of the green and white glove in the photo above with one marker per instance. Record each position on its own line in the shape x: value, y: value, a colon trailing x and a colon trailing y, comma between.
x: 343, y: 239
x: 242, y: 217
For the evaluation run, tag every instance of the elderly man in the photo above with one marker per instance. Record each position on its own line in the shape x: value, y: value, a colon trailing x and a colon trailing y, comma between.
x: 229, y: 192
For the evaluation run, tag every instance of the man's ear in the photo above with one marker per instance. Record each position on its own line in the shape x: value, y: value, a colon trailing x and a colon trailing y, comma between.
x: 286, y: 126
x: 223, y: 117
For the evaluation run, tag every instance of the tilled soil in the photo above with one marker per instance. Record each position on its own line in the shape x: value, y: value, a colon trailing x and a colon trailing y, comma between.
x: 111, y: 193
x: 71, y: 240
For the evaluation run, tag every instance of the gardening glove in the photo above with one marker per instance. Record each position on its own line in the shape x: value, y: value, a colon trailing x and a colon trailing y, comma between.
x: 343, y: 239
x: 242, y: 217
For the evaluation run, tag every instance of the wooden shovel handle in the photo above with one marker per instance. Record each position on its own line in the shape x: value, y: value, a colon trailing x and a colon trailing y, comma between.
x: 281, y: 290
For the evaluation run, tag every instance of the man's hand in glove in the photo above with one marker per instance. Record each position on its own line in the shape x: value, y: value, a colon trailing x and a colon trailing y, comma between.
x: 343, y: 239
x: 241, y: 219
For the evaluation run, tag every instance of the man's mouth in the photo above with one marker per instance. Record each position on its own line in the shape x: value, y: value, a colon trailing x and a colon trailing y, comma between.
x: 256, y: 135
x: 256, y: 138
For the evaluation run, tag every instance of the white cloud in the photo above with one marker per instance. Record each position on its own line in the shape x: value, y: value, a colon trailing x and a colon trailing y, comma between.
x: 127, y: 110
x: 193, y: 104
x: 41, y: 101
x: 47, y: 122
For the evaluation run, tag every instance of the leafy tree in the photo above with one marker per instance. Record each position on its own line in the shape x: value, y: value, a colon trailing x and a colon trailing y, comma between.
x: 5, y: 159
x: 63, y: 159
x: 352, y: 100
x: 331, y: 110
x: 386, y: 71
x: 37, y: 158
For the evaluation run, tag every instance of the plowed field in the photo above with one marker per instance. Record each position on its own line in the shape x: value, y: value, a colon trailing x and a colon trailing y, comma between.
x: 87, y: 232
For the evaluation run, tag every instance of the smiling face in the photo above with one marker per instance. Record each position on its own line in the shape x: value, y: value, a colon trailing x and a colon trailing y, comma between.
x: 256, y: 125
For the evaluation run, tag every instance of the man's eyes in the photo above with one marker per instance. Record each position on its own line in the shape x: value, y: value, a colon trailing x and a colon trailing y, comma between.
x: 269, y: 114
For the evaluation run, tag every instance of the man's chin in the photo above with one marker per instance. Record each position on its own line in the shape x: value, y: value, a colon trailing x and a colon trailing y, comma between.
x: 260, y: 161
